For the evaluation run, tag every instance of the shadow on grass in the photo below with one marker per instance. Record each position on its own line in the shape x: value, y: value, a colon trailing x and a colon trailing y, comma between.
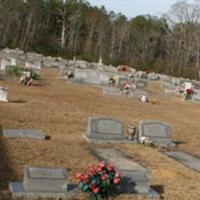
x: 6, y: 172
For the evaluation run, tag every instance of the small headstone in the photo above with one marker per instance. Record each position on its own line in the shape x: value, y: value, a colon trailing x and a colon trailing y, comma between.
x: 105, y: 129
x: 3, y: 94
x: 141, y: 84
x: 158, y: 132
x: 24, y: 133
x: 186, y: 159
x: 33, y: 65
x: 196, y: 97
x: 43, y: 183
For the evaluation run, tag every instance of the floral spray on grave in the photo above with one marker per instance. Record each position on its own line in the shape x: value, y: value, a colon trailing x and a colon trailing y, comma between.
x: 100, y: 183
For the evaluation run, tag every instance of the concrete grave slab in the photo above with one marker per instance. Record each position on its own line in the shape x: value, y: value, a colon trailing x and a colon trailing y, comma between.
x: 159, y: 133
x: 24, y: 133
x: 118, y: 159
x: 43, y: 183
x: 3, y: 94
x: 186, y: 159
x: 135, y: 177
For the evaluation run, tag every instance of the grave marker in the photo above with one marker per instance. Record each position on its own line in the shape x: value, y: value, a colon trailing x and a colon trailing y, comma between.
x: 158, y: 132
x: 135, y: 177
x: 105, y: 129
x: 141, y: 84
x: 185, y: 158
x: 43, y: 183
x: 3, y: 94
x: 24, y: 133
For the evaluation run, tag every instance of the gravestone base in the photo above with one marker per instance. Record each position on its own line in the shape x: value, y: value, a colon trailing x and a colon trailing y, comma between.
x: 24, y: 133
x: 18, y: 192
x: 109, y: 141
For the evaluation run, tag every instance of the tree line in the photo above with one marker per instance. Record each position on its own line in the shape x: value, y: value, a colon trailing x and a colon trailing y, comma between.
x: 168, y: 44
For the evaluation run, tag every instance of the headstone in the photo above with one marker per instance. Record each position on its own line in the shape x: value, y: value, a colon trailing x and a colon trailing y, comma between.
x: 3, y: 94
x: 168, y: 84
x: 122, y: 81
x: 43, y: 183
x: 196, y: 96
x: 90, y: 76
x: 5, y: 62
x: 158, y: 132
x: 34, y: 65
x: 135, y: 177
x: 141, y: 84
x: 186, y: 159
x: 24, y: 133
x: 44, y: 179
x: 111, y: 91
x: 105, y: 129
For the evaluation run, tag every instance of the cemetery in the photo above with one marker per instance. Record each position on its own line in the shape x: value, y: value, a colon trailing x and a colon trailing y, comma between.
x: 68, y: 124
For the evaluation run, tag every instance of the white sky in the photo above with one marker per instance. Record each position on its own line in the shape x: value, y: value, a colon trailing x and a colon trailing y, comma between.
x: 132, y: 8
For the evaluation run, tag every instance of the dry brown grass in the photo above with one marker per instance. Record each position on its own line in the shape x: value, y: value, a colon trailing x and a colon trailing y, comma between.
x: 61, y: 110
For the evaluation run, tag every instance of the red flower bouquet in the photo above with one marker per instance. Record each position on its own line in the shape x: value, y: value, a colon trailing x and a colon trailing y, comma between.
x: 101, y: 181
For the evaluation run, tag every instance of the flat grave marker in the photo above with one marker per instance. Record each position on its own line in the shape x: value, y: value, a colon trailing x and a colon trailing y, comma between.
x: 24, y: 133
x: 186, y: 159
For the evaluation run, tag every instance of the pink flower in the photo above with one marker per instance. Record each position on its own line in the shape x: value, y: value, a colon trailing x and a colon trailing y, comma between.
x: 102, y: 164
x: 116, y: 181
x: 78, y: 175
x: 110, y: 168
x: 117, y: 175
x: 104, y: 177
x: 95, y: 190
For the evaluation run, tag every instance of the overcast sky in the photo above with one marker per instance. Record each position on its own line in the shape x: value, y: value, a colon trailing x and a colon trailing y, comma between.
x: 132, y: 8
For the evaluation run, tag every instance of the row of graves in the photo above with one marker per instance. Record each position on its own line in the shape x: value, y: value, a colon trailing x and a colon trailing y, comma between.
x: 189, y: 90
x: 44, y: 182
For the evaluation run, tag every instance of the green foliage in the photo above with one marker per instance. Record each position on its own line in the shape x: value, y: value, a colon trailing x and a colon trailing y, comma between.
x: 90, y: 32
x: 14, y: 70
x: 33, y: 74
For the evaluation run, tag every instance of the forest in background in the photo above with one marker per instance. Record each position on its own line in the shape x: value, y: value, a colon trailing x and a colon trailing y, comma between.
x: 168, y: 44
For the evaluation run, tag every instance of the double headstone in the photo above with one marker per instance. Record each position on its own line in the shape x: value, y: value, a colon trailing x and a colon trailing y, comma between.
x: 42, y: 183
x: 104, y: 130
x: 158, y: 132
x: 3, y: 94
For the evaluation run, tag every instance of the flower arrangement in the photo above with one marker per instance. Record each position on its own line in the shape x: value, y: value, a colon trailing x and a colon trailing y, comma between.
x: 101, y: 181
